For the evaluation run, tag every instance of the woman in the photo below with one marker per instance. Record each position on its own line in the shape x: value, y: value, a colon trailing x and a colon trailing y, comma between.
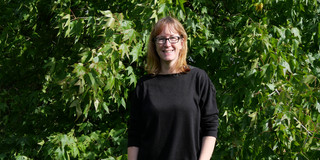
x: 174, y: 114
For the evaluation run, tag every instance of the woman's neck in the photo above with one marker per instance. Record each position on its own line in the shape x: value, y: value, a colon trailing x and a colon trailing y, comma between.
x: 168, y: 68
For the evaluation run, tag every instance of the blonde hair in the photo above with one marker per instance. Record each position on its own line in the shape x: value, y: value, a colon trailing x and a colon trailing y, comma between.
x: 153, y: 59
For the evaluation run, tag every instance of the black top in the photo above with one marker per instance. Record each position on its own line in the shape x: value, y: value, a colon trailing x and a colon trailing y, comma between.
x: 171, y: 113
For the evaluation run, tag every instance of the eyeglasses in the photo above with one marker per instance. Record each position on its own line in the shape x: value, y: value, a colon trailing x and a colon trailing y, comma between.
x: 163, y: 40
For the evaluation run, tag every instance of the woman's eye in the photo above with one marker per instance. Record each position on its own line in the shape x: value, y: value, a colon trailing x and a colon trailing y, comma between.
x: 173, y: 38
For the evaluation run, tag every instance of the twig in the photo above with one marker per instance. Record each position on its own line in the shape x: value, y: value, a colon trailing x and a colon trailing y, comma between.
x: 275, y: 91
x: 302, y: 125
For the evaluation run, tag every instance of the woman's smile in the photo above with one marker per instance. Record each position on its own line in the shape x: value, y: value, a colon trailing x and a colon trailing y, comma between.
x: 169, y: 51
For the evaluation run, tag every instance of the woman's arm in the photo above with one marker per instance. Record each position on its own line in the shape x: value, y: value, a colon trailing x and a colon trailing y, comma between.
x: 133, y: 153
x: 208, y: 143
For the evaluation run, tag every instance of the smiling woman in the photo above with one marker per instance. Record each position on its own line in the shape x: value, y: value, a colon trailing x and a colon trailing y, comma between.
x: 174, y: 113
x: 166, y: 54
x: 168, y: 51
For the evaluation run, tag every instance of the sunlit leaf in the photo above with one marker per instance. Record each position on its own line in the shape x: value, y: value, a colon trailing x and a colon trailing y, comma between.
x: 107, y: 13
x: 135, y: 52
x: 317, y: 106
x: 308, y: 79
x: 129, y: 34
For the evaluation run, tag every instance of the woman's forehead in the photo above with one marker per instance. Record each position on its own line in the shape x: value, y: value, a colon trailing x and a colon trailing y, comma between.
x: 167, y: 29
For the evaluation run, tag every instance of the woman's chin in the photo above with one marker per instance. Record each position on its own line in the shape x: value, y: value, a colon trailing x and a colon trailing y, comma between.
x: 168, y: 60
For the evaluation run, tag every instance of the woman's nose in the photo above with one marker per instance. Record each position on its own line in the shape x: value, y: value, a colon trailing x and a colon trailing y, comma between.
x: 167, y: 43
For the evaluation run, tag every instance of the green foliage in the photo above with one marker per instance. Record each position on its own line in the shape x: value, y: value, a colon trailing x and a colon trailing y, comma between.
x: 67, y: 69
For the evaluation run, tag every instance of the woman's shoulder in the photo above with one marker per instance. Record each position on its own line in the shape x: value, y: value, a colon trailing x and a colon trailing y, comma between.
x: 197, y: 71
x: 201, y: 76
x: 145, y: 78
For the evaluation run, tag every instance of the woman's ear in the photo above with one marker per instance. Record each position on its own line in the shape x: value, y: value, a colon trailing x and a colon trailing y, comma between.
x: 182, y: 41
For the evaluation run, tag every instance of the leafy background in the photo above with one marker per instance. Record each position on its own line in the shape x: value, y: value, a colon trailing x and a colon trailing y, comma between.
x: 68, y: 67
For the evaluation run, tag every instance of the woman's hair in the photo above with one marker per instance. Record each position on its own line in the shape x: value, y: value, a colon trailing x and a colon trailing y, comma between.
x: 153, y: 59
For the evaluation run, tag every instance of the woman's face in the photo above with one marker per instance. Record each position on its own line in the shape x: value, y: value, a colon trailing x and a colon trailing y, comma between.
x: 168, y: 45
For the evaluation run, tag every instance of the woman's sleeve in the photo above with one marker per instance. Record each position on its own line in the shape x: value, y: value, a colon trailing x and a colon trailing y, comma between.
x: 209, y: 110
x: 134, y: 119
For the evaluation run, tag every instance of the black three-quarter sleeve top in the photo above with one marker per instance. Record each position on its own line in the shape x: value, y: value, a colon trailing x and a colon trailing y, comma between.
x: 171, y: 113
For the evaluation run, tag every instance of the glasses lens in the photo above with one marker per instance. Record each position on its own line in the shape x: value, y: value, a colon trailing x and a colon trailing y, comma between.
x: 161, y: 40
x: 174, y: 39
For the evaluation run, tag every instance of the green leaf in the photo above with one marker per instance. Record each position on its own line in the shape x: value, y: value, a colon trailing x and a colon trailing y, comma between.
x: 87, y: 108
x: 105, y: 107
x: 265, y: 125
x: 308, y: 79
x: 110, y: 22
x: 318, y: 32
x: 76, y: 103
x: 79, y: 69
x: 132, y: 76
x: 162, y: 8
x: 129, y: 34
x: 317, y: 106
x: 124, y: 50
x: 154, y: 15
x: 271, y: 86
x: 110, y: 82
x: 286, y: 67
x: 96, y: 59
x: 133, y: 79
x: 41, y: 143
x: 264, y: 69
x: 107, y: 13
x: 135, y: 52
x: 181, y: 2
x: 296, y: 33
x: 123, y: 102
x: 68, y: 25
x: 96, y: 104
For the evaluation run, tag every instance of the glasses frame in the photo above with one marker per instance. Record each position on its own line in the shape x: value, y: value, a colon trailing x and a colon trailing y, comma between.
x: 167, y: 39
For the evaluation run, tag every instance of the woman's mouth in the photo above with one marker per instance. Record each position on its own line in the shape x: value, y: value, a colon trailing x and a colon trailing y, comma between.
x: 168, y: 51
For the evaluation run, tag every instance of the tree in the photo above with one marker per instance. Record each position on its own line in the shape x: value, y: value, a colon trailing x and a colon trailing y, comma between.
x: 68, y: 67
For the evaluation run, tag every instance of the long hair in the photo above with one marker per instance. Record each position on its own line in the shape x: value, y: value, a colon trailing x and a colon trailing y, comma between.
x: 153, y: 59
